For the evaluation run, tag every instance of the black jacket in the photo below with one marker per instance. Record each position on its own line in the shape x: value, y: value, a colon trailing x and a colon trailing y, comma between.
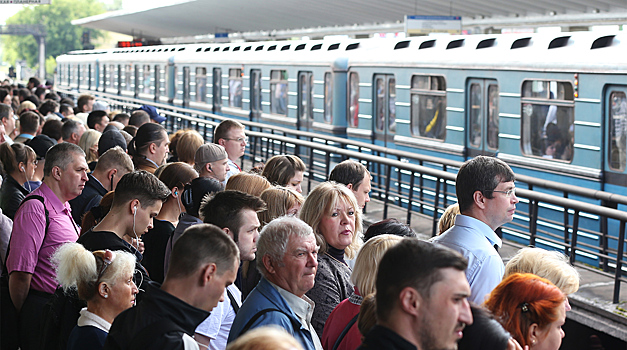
x: 89, y: 198
x: 11, y: 195
x: 139, y: 322
x: 382, y: 338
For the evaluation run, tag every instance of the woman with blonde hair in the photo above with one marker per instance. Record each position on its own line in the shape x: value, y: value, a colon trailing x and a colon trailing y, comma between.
x: 89, y: 143
x: 343, y: 318
x: 285, y: 170
x: 335, y: 217
x: 280, y: 201
x: 252, y: 184
x: 265, y: 338
x: 531, y: 309
x: 104, y: 279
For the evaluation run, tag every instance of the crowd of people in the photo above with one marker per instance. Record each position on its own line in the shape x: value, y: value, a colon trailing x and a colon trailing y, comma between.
x: 116, y: 235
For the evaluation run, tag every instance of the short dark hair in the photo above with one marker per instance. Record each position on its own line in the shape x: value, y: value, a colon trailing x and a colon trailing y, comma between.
x: 426, y: 260
x: 24, y: 93
x: 5, y: 111
x: 389, y: 226
x: 349, y: 172
x: 48, y: 106
x: 52, y: 96
x: 29, y: 122
x: 95, y: 117
x: 279, y: 170
x: 222, y: 130
x: 147, y: 134
x: 140, y: 185
x: 120, y: 117
x: 485, y: 332
x: 139, y: 118
x: 83, y: 100
x: 69, y: 127
x: 223, y: 209
x: 34, y: 99
x: 65, y: 108
x: 53, y: 128
x: 201, y: 244
x: 59, y: 155
x: 36, y: 82
x: 68, y: 101
x: 483, y: 174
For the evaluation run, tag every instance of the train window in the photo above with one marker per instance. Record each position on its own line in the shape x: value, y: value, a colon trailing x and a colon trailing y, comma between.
x: 547, y: 113
x: 235, y: 87
x: 128, y: 71
x: 217, y: 89
x: 305, y: 96
x: 618, y: 131
x: 112, y: 74
x: 475, y: 115
x: 255, y: 91
x: 328, y: 97
x: 428, y: 106
x: 158, y: 85
x: 353, y: 102
x: 392, y: 105
x: 380, y: 96
x: 145, y: 86
x: 201, y: 84
x: 278, y: 92
x: 493, y: 116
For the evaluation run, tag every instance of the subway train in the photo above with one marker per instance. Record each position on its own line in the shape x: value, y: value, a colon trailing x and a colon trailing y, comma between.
x: 551, y: 105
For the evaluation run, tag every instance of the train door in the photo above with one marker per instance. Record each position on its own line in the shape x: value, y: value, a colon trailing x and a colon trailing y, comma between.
x: 255, y: 94
x: 305, y: 100
x: 482, y: 117
x: 615, y: 102
x: 217, y: 90
x: 384, y: 109
x: 186, y: 87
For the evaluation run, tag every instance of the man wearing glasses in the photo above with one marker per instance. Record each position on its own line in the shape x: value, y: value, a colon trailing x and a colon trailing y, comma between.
x: 487, y: 200
x: 231, y: 135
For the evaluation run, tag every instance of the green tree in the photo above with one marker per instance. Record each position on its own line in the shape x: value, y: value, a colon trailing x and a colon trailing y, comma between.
x: 61, y: 35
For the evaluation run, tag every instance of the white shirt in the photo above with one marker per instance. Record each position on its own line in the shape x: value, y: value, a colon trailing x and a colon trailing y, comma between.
x: 218, y: 325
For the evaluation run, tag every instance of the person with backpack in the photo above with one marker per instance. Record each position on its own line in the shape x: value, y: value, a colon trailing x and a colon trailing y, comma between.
x: 39, y: 228
x: 104, y: 279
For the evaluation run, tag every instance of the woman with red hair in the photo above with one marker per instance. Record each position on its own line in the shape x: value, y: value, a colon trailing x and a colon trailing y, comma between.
x: 531, y: 308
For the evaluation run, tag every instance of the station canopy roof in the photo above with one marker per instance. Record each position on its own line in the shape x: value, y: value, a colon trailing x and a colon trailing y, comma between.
x: 190, y: 18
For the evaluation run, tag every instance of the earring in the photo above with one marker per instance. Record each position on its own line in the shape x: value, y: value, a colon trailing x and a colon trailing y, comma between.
x: 533, y: 342
x: 106, y: 296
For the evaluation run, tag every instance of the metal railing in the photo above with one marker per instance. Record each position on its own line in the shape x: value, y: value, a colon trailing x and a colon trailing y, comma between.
x: 415, y: 187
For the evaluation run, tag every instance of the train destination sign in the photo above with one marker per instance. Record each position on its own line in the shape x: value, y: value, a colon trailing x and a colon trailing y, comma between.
x: 433, y: 24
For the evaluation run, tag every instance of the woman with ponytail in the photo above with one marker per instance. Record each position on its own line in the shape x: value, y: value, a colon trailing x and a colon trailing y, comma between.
x: 104, y: 279
x: 149, y: 148
x: 19, y: 162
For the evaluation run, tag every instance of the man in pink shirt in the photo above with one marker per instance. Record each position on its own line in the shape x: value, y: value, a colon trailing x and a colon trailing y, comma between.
x: 32, y: 279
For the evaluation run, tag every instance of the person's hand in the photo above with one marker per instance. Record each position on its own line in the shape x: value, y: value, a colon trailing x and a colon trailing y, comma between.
x: 512, y: 344
x: 139, y: 244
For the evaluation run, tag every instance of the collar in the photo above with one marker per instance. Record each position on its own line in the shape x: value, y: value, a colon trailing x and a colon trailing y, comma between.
x: 26, y: 136
x: 91, y: 319
x: 151, y: 161
x: 52, y: 200
x: 92, y: 177
x: 302, y: 307
x: 482, y: 227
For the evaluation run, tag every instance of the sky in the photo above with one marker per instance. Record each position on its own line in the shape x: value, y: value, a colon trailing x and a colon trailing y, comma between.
x: 8, y: 10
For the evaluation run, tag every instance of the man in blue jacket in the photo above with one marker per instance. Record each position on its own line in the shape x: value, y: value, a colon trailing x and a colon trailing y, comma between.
x: 289, y: 271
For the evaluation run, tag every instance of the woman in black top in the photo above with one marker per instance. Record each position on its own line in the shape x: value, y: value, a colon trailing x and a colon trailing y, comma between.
x: 19, y: 162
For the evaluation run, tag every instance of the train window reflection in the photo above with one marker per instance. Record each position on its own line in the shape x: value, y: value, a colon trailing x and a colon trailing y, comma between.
x: 380, y: 96
x: 475, y: 115
x: 217, y: 89
x: 493, y: 116
x: 547, y: 113
x: 392, y: 105
x: 235, y: 87
x: 428, y: 106
x: 618, y: 130
x: 201, y: 84
x: 255, y: 88
x: 146, y: 77
x: 353, y: 100
x: 278, y: 92
x: 328, y: 97
x: 128, y: 71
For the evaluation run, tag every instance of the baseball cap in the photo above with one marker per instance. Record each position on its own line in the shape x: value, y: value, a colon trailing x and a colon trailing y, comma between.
x: 210, y: 152
x: 110, y: 139
x: 152, y: 112
x: 100, y: 106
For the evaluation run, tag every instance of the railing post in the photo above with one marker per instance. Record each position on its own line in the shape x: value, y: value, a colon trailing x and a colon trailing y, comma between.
x: 411, y: 197
x: 533, y: 221
x: 573, y: 240
x: 436, y: 202
x: 388, y: 175
x: 619, y: 262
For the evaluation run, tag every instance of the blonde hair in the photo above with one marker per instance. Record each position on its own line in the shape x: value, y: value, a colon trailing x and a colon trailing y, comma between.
x: 320, y: 203
x: 252, y: 184
x: 552, y: 265
x: 278, y: 201
x: 265, y: 338
x: 89, y: 138
x: 77, y: 267
x: 187, y: 145
x: 25, y: 105
x: 447, y: 220
x: 368, y: 260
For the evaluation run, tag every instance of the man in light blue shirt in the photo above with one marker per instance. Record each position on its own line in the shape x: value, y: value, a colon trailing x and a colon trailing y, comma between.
x: 487, y: 200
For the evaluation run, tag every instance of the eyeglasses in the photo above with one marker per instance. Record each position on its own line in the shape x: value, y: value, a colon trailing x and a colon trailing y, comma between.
x: 239, y: 139
x: 507, y: 193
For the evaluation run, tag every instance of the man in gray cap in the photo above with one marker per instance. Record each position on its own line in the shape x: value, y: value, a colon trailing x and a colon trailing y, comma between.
x: 212, y: 162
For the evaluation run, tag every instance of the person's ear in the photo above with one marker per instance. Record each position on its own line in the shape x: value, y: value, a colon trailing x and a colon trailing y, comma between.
x: 111, y: 173
x: 56, y: 173
x: 267, y: 262
x: 222, y: 142
x: 228, y: 232
x: 133, y: 205
x: 103, y: 289
x: 349, y: 186
x: 208, y: 167
x: 410, y: 301
x: 479, y: 199
x: 534, y: 334
x: 175, y: 192
x: 153, y: 148
x: 208, y: 272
